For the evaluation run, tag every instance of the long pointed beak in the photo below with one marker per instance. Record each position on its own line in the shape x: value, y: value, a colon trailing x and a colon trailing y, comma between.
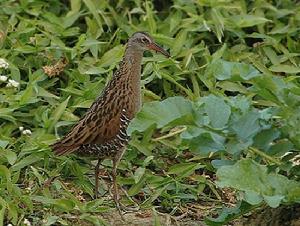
x: 157, y: 48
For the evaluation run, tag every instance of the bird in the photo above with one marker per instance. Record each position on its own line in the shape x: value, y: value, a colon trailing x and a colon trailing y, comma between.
x: 101, y: 132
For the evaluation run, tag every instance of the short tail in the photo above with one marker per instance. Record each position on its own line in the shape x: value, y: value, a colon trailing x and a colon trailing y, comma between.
x: 60, y: 148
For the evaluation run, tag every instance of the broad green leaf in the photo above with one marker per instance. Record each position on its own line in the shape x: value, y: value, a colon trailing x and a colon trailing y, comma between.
x: 247, y: 126
x: 207, y: 143
x: 273, y: 188
x: 217, y: 110
x: 253, y: 198
x: 224, y: 70
x: 203, y: 142
x: 274, y: 201
x: 264, y: 139
x: 161, y: 114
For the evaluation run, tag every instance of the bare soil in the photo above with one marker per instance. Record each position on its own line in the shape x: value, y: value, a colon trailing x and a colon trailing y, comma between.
x: 282, y: 216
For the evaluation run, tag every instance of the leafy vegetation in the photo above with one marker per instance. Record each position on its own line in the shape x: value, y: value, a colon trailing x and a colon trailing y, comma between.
x: 219, y: 130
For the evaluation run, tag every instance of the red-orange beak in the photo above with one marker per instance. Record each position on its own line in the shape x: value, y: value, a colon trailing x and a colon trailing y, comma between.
x: 157, y: 48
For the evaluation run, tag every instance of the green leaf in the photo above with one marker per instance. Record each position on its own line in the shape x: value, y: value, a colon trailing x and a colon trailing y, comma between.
x: 112, y: 57
x: 247, y: 126
x: 136, y: 188
x: 154, y: 196
x: 161, y: 114
x: 28, y: 95
x: 264, y: 138
x: 217, y: 110
x: 149, y: 17
x: 138, y: 174
x: 10, y: 156
x: 184, y: 169
x: 272, y: 55
x: 224, y: 70
x: 273, y: 201
x: 289, y: 69
x: 3, y: 143
x: 273, y: 188
x: 253, y: 198
x: 27, y: 161
x: 58, y: 113
x: 207, y: 143
x: 5, y: 173
x: 51, y: 220
x: 2, y: 210
x: 218, y: 21
x: 5, y: 113
x: 178, y: 43
x: 203, y: 142
x: 65, y: 204
x: 248, y: 20
x: 93, y: 9
x: 232, y: 86
x: 229, y: 214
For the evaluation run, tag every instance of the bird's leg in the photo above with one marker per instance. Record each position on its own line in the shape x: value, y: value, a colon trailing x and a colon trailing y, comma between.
x: 116, y: 195
x: 97, y: 178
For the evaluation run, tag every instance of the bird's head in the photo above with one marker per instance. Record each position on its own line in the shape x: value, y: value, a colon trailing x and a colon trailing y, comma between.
x: 144, y: 41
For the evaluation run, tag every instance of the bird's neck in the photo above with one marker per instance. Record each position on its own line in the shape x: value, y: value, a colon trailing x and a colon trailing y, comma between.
x: 132, y: 61
x: 131, y: 67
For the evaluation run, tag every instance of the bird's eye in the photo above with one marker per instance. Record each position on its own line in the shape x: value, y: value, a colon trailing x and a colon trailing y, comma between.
x: 144, y: 40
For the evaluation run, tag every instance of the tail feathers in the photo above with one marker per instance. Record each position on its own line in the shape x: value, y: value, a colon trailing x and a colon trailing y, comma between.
x: 61, y: 149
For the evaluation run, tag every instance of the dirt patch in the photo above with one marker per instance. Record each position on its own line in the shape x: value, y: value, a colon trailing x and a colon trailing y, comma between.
x: 282, y: 216
x: 147, y: 218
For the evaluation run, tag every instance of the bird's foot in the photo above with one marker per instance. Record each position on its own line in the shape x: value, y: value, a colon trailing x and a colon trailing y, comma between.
x: 126, y: 209
x: 120, y: 206
x: 122, y: 209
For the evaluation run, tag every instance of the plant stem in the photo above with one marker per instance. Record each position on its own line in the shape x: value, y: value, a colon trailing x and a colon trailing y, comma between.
x: 264, y: 155
x: 171, y: 134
